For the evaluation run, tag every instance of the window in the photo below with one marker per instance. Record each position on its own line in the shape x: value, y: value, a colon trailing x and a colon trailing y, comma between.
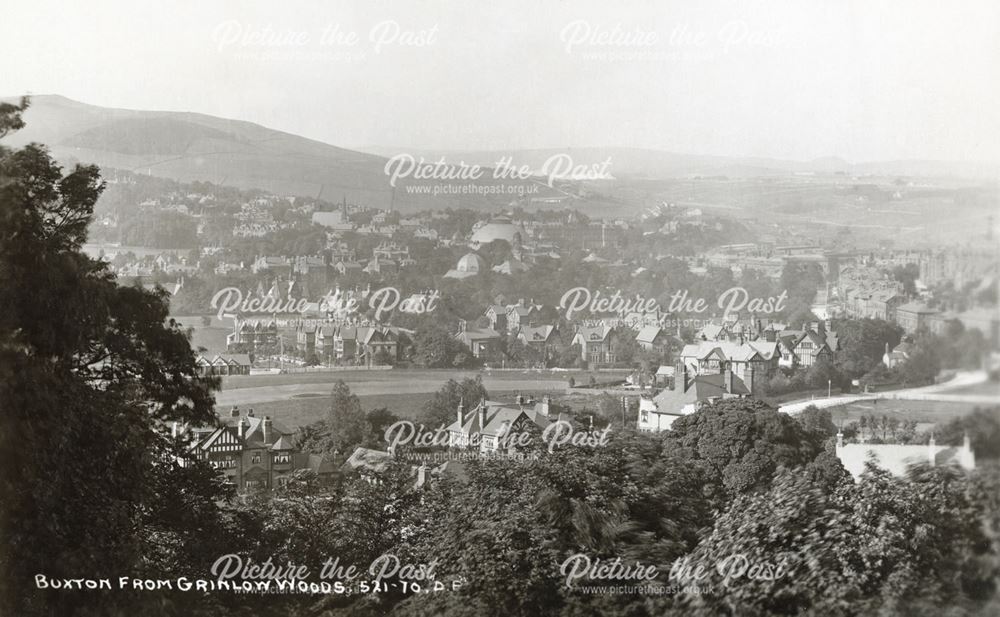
x: 255, y: 458
x: 252, y: 484
x: 645, y: 416
x: 280, y: 459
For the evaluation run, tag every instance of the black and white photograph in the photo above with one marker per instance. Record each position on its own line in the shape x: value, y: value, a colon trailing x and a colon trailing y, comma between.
x: 337, y: 308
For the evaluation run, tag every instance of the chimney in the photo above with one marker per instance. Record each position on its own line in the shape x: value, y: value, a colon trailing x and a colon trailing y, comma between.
x: 482, y: 414
x: 234, y: 412
x: 545, y: 409
x: 750, y: 377
x: 250, y: 413
x: 243, y: 424
x: 967, y: 458
x: 931, y: 450
x: 840, y: 439
x: 460, y: 414
x: 267, y: 429
x: 728, y: 377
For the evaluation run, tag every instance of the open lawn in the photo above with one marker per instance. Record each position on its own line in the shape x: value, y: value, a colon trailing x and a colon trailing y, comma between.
x: 299, y: 411
x: 923, y: 412
x: 254, y: 389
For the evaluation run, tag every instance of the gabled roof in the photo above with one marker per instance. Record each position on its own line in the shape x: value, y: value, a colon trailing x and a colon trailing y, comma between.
x: 376, y: 460
x: 476, y: 334
x: 283, y: 443
x: 648, y: 334
x: 592, y: 334
x: 534, y: 334
x: 496, y: 416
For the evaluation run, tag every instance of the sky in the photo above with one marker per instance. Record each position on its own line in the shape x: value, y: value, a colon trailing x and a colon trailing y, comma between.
x: 864, y: 80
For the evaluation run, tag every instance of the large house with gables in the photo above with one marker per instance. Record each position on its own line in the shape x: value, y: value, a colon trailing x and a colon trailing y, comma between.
x: 596, y: 344
x: 253, y: 453
x: 484, y: 426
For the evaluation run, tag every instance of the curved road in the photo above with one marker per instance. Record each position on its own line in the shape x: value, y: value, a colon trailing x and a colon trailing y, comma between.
x: 936, y: 392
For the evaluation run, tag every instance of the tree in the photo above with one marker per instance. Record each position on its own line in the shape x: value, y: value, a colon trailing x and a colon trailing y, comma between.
x: 441, y: 409
x: 862, y: 344
x: 744, y: 441
x: 907, y: 275
x: 893, y: 546
x: 346, y: 422
x: 817, y: 421
x: 91, y: 375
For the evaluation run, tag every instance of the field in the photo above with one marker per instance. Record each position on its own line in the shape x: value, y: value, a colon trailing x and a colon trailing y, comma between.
x: 296, y: 412
x: 925, y: 413
x: 302, y: 398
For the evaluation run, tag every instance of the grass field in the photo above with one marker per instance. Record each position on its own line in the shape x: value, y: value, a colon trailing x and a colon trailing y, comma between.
x: 299, y: 411
x: 923, y: 412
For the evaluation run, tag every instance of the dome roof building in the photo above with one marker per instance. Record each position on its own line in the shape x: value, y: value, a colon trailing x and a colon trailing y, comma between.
x: 470, y: 264
x: 499, y: 228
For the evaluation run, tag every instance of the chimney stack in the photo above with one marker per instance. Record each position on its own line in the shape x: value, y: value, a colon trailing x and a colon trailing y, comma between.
x: 840, y: 439
x: 267, y: 429
x: 242, y: 427
x: 482, y: 414
x: 728, y: 377
x: 461, y: 411
x: 931, y: 450
x: 234, y: 412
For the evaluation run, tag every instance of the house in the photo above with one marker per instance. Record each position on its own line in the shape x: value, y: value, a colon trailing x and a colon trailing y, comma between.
x: 362, y: 344
x: 252, y: 335
x: 305, y: 339
x: 497, y: 316
x: 345, y: 268
x: 381, y: 265
x: 484, y: 426
x: 596, y: 344
x: 224, y: 364
x: 897, y: 459
x: 803, y: 348
x: 653, y: 338
x: 914, y: 316
x: 540, y: 338
x: 899, y: 354
x: 253, y: 454
x: 520, y: 314
x: 484, y: 343
x: 754, y: 363
x: 687, y: 393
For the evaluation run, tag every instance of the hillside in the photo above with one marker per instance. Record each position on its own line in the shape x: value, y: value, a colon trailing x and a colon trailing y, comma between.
x: 190, y: 146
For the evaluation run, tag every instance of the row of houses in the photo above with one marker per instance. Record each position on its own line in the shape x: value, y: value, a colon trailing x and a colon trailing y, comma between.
x: 223, y: 364
x: 353, y: 344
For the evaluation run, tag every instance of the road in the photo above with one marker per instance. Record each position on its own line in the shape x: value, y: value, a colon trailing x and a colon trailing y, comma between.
x: 936, y: 392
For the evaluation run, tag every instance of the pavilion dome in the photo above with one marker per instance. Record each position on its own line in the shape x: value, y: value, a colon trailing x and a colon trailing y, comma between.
x: 500, y: 228
x: 472, y: 263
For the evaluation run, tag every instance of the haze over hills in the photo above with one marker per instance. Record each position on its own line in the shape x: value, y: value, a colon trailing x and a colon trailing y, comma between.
x: 190, y: 146
x: 648, y: 163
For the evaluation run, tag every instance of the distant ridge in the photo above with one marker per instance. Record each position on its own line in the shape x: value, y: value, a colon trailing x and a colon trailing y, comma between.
x: 188, y: 146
